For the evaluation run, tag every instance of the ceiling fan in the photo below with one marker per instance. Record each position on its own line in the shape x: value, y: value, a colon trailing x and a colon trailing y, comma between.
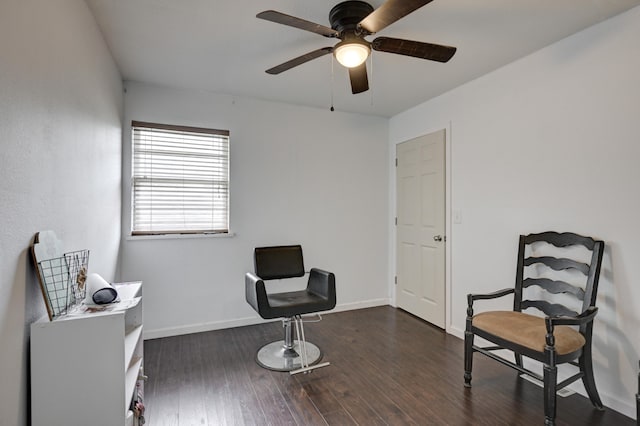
x: 351, y: 22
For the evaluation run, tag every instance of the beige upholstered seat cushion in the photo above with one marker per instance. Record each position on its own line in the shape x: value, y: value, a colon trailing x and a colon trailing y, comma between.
x: 527, y: 330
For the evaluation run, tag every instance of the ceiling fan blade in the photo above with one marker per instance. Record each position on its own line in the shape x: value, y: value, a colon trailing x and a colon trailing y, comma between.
x: 417, y: 49
x: 292, y: 21
x: 299, y: 60
x: 359, y: 80
x: 390, y: 12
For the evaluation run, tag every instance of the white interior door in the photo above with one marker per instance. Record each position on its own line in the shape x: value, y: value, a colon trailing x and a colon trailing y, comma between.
x: 420, y: 248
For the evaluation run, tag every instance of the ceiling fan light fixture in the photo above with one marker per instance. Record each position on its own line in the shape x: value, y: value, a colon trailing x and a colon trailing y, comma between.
x: 351, y: 54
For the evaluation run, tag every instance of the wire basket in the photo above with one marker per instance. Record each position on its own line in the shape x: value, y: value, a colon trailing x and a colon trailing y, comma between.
x: 63, y: 279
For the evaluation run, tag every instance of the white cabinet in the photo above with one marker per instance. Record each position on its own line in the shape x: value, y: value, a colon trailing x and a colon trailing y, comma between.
x: 84, y: 366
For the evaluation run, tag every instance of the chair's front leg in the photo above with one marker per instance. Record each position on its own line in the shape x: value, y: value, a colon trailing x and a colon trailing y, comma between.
x: 550, y: 376
x: 550, y: 380
x: 468, y: 358
x: 468, y: 344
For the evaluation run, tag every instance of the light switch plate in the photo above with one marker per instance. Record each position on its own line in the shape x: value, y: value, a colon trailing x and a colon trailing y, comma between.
x: 457, y: 216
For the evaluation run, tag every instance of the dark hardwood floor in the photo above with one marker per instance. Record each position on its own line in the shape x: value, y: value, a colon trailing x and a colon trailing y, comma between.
x: 387, y: 368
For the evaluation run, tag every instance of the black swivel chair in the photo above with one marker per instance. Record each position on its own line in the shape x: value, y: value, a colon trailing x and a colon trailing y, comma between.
x: 281, y: 262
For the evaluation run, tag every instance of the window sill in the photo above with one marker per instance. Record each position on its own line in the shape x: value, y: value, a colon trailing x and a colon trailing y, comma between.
x: 179, y: 236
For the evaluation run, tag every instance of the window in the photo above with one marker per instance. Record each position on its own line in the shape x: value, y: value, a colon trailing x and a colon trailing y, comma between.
x: 180, y: 181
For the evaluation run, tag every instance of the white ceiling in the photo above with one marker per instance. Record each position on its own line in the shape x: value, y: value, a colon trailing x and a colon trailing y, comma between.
x: 220, y: 46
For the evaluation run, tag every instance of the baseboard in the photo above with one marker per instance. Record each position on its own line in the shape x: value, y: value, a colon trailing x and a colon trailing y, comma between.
x: 361, y: 305
x: 199, y: 328
x: 241, y: 322
x: 616, y: 404
x: 455, y: 331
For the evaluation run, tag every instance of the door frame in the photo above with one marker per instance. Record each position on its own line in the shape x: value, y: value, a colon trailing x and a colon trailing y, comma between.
x: 448, y: 215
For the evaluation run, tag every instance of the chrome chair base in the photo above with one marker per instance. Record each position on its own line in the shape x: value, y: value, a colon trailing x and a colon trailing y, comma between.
x: 276, y: 356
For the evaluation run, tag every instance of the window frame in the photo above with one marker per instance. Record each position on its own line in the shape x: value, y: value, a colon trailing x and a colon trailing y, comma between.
x: 135, y: 178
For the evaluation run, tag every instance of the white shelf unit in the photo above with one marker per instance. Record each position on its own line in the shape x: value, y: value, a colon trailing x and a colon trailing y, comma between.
x: 84, y: 367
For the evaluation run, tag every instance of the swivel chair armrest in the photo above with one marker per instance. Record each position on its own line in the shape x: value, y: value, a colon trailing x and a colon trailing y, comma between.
x: 255, y: 292
x: 322, y: 283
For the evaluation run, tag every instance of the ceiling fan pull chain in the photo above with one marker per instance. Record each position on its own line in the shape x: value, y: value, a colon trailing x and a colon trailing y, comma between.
x: 371, y: 66
x: 331, y: 109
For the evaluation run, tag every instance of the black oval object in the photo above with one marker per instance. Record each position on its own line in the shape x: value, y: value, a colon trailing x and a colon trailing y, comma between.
x: 104, y: 296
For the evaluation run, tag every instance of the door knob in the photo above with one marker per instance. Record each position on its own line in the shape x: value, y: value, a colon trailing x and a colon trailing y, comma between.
x: 437, y: 238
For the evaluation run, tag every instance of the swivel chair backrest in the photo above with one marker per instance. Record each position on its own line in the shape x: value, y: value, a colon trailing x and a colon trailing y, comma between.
x: 273, y: 263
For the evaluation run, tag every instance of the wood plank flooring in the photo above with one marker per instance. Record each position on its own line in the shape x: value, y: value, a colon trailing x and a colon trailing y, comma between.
x: 387, y: 368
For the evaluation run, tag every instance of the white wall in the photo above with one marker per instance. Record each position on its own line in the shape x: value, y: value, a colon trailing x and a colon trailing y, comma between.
x: 550, y: 142
x: 298, y: 174
x: 60, y: 168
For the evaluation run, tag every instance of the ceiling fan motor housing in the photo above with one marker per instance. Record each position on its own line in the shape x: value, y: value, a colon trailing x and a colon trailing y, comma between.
x: 345, y: 17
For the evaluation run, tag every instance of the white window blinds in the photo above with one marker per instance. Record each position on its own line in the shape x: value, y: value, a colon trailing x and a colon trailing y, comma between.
x: 180, y: 181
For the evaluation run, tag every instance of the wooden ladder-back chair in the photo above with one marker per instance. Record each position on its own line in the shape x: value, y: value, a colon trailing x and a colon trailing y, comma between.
x: 553, y: 271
